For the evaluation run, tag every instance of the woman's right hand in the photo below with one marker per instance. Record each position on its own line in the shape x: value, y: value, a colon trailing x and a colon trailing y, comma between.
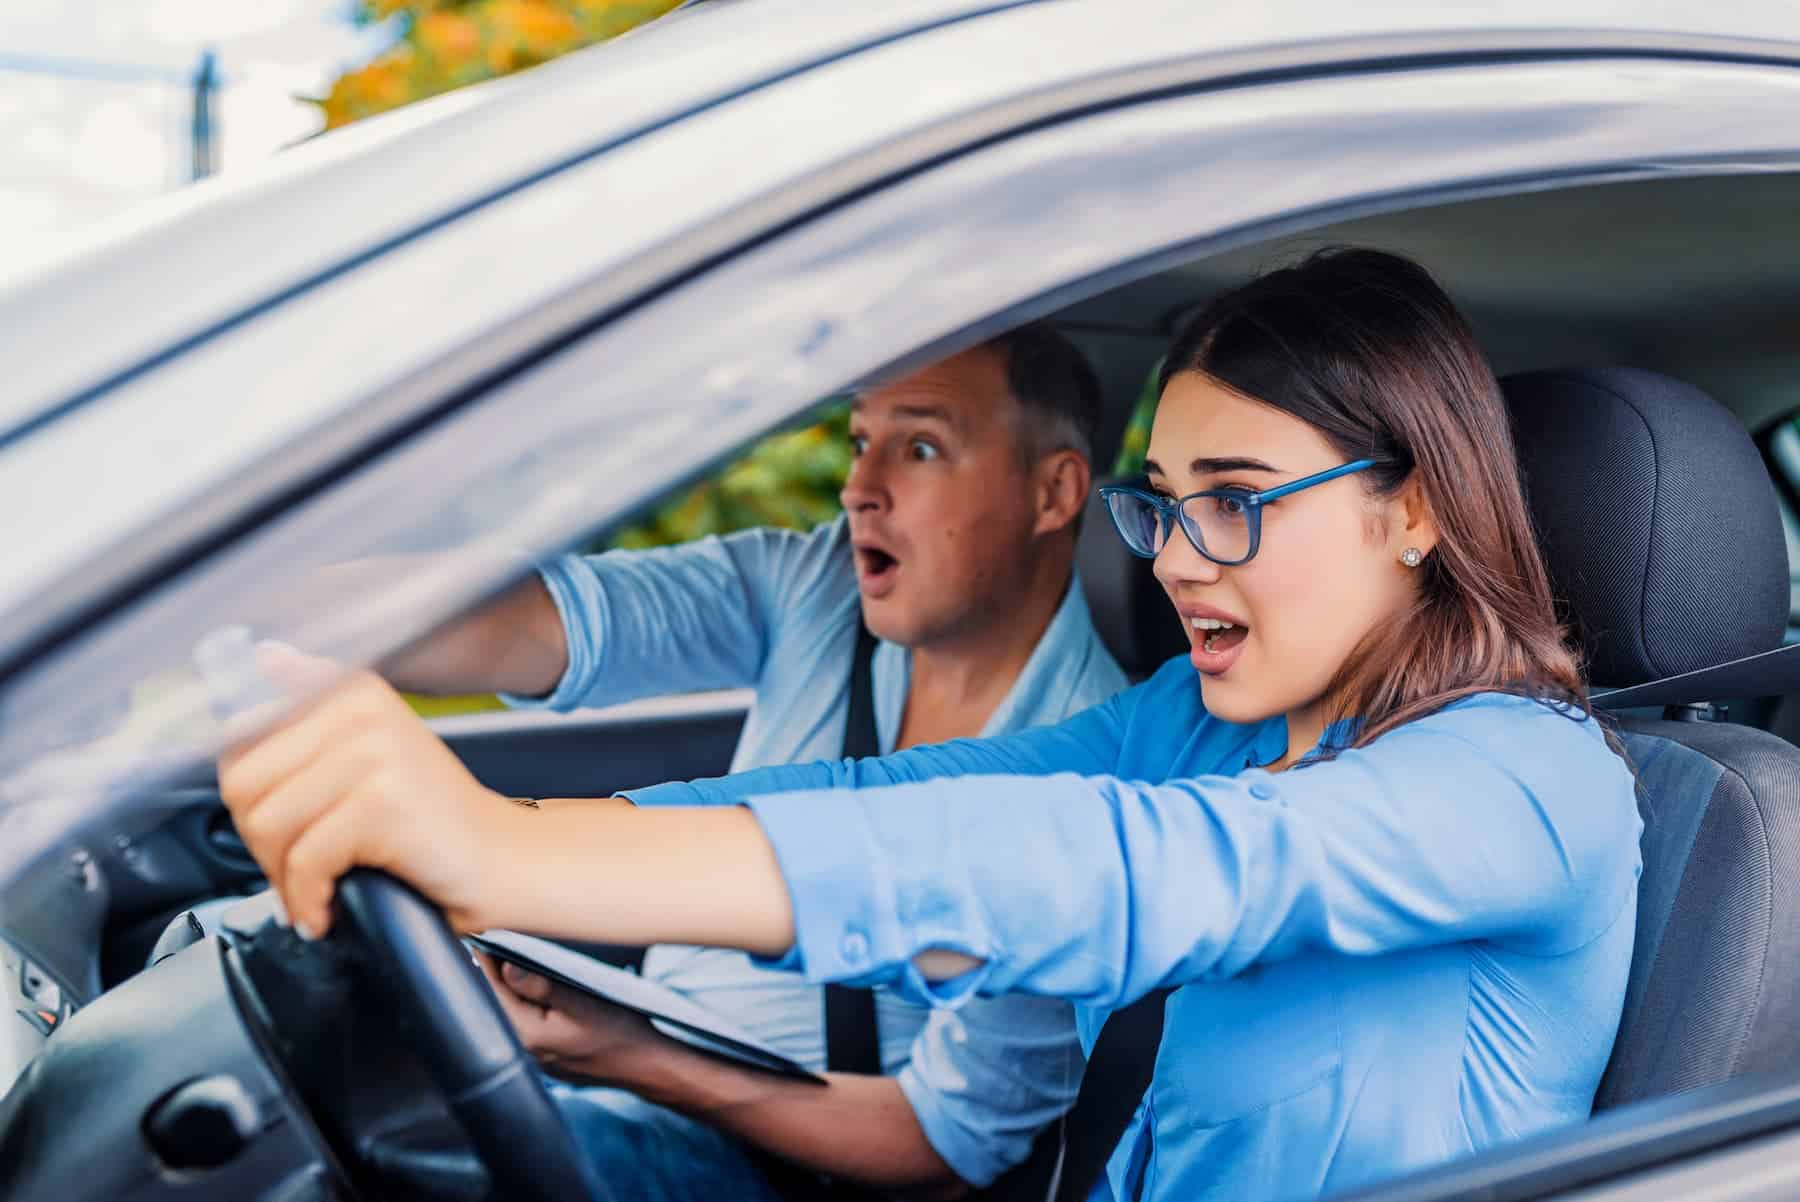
x: 355, y: 778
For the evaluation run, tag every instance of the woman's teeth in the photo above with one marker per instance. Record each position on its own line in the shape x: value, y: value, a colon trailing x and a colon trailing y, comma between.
x: 1214, y: 627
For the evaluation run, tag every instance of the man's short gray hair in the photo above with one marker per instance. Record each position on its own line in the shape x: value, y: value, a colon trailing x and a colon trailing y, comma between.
x: 1057, y: 391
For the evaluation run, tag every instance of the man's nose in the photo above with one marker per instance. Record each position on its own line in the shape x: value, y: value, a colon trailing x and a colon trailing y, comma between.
x: 865, y: 488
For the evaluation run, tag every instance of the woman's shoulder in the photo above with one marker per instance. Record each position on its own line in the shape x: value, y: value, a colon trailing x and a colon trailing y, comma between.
x: 1503, y: 716
x: 1554, y: 750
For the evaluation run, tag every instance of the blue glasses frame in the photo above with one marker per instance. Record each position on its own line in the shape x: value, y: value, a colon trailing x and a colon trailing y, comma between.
x: 1168, y: 511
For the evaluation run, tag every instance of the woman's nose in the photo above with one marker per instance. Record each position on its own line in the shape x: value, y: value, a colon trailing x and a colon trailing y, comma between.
x: 1179, y: 563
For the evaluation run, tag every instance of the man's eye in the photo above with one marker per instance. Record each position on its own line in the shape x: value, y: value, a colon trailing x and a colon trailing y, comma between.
x: 858, y: 444
x: 921, y: 450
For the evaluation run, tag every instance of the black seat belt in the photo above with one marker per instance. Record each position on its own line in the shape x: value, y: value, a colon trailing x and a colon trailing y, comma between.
x: 1117, y: 1076
x: 852, y: 1041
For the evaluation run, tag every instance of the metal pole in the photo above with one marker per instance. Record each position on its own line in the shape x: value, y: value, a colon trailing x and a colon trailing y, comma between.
x: 205, y: 128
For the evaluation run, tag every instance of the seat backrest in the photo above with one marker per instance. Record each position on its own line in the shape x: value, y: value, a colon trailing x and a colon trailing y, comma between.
x: 1663, y: 538
x: 1130, y: 611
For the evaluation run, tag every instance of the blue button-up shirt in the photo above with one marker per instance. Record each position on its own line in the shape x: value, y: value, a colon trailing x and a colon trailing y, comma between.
x: 1389, y: 958
x: 777, y: 611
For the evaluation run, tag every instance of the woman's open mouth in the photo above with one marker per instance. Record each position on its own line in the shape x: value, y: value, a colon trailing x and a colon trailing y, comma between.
x: 1217, y: 643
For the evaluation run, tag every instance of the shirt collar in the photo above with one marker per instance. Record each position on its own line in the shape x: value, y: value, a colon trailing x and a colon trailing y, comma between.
x: 1054, y: 653
x: 1340, y: 734
x: 1270, y: 742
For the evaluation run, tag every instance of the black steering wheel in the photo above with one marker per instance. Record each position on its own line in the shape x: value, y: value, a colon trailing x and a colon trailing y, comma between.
x: 443, y: 1007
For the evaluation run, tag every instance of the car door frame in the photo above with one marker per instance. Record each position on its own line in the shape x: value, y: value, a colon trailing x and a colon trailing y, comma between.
x: 1391, y: 139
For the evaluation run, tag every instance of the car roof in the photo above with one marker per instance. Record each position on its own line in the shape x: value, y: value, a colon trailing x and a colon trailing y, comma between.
x: 140, y: 289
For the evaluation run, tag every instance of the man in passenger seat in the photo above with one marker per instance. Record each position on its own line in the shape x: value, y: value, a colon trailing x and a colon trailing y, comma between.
x: 956, y: 550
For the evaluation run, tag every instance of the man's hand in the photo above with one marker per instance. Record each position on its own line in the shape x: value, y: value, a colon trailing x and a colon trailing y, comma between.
x: 861, y: 1128
x: 573, y: 1036
x: 355, y: 778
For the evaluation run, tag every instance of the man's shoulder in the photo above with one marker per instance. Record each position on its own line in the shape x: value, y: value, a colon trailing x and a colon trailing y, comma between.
x: 804, y: 578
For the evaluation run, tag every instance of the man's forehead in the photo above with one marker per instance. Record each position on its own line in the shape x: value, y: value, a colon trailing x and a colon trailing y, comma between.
x: 962, y: 389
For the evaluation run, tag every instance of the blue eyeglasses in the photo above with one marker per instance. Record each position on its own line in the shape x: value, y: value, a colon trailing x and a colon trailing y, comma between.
x: 1224, y: 524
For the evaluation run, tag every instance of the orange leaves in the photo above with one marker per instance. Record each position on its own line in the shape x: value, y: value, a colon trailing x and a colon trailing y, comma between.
x: 448, y: 43
x: 452, y: 38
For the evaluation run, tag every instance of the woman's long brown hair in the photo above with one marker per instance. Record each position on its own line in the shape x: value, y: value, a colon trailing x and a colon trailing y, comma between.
x: 1367, y: 349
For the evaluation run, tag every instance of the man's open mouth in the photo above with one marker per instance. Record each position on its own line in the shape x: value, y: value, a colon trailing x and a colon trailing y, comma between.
x: 875, y: 563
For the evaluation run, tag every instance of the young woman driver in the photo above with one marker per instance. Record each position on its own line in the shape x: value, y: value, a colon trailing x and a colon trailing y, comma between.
x: 1368, y: 826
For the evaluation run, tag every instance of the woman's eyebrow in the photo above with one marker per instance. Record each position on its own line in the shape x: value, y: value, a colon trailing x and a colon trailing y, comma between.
x: 1229, y: 463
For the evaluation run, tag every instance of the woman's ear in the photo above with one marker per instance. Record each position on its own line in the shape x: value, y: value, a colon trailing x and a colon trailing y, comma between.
x: 1416, y: 526
x: 1062, y: 481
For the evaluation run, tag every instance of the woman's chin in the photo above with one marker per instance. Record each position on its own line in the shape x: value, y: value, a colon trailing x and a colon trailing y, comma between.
x: 1231, y: 701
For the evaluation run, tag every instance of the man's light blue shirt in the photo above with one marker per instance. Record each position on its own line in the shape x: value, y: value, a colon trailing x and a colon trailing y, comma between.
x: 1387, y: 959
x: 777, y: 611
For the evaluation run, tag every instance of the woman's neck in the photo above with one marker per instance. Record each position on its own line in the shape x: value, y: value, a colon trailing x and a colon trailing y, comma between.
x: 1305, y: 726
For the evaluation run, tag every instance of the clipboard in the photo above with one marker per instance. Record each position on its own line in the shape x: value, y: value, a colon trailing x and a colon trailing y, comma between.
x: 671, y: 1012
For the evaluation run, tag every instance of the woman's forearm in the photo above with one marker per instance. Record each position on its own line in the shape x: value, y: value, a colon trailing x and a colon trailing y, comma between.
x: 702, y: 876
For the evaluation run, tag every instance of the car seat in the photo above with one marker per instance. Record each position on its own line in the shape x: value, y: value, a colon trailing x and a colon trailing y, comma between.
x: 1663, y: 537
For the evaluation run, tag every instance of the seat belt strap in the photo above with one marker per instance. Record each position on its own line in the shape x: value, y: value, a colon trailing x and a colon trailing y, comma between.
x: 1762, y: 675
x: 852, y: 1040
x: 1116, y: 1078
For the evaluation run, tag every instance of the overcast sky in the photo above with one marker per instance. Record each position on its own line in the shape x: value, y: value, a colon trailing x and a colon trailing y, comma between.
x: 73, y: 150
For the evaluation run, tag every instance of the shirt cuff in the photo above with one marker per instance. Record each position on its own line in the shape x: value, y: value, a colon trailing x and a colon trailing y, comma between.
x: 568, y: 692
x: 969, y: 1157
x: 850, y: 923
x: 675, y: 793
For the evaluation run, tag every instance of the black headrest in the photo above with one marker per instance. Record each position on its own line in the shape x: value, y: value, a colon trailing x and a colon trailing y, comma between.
x: 1657, y: 517
x: 1129, y: 608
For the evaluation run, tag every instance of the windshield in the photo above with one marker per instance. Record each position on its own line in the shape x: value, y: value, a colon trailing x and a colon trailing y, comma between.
x: 373, y: 562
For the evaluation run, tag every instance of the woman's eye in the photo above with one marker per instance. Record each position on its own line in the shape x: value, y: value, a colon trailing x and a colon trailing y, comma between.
x: 921, y: 450
x: 1230, y: 506
x: 858, y: 444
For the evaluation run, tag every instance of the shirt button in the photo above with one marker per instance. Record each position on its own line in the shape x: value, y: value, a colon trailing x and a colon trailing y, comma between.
x: 1262, y: 790
x: 854, y: 947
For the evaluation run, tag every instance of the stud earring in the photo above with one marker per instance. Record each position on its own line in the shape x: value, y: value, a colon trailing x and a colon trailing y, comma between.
x: 1412, y: 557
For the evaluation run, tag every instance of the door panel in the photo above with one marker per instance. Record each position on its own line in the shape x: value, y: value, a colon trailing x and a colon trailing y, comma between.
x: 596, y: 753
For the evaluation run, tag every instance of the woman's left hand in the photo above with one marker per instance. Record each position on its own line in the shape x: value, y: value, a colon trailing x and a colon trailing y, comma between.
x: 355, y: 778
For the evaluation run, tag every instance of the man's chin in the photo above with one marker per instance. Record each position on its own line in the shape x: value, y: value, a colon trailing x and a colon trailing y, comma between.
x: 888, y: 621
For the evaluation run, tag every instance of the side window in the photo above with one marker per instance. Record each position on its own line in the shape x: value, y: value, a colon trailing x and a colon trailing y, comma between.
x: 1136, y: 443
x: 789, y: 479
x: 1784, y: 452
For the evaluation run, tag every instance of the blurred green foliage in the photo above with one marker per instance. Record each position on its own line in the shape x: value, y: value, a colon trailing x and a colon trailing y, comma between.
x: 1136, y: 444
x: 790, y: 479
